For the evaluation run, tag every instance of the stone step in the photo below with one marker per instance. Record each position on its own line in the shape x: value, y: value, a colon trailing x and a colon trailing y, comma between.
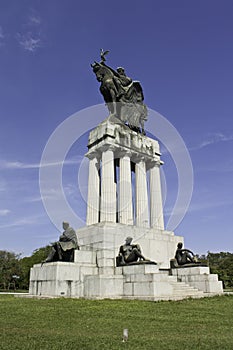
x: 187, y: 287
x: 176, y: 286
x: 165, y: 298
x: 188, y: 292
x: 182, y: 288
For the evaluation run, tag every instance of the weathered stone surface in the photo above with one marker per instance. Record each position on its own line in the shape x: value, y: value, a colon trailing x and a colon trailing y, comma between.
x: 85, y: 257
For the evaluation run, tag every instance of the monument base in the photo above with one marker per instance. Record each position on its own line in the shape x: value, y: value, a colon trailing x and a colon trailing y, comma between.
x: 94, y: 275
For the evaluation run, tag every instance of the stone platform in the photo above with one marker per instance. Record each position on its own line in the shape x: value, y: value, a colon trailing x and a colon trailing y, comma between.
x: 89, y: 277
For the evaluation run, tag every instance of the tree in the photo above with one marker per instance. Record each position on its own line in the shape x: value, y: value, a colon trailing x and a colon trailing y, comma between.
x: 222, y: 264
x: 15, y: 271
x: 27, y: 262
x: 9, y: 269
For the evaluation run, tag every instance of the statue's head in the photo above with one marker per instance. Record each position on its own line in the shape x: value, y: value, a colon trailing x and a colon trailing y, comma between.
x: 65, y: 225
x: 121, y: 70
x: 99, y: 76
x: 97, y: 69
x: 95, y: 66
x: 128, y: 240
x: 179, y: 245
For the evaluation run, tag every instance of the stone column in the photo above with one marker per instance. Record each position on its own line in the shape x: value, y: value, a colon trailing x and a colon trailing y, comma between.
x: 108, y: 188
x: 125, y: 191
x: 156, y: 204
x: 93, y: 198
x: 142, y: 217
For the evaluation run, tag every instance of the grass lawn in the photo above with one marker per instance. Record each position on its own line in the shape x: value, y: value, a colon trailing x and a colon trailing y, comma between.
x: 28, y: 324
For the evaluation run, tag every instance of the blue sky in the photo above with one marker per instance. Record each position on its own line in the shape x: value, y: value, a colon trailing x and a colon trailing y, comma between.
x: 181, y: 51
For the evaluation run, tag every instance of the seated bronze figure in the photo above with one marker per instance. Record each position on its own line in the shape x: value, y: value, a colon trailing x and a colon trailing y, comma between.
x: 63, y: 250
x: 129, y: 253
x: 184, y: 256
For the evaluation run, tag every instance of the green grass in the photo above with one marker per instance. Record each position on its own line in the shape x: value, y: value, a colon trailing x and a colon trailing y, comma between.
x: 13, y: 291
x: 85, y: 324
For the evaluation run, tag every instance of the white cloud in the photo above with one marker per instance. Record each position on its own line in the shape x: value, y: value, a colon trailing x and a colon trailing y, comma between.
x: 34, y: 19
x: 53, y: 194
x: 216, y: 138
x: 30, y: 39
x: 22, y: 222
x: 50, y: 194
x: 4, y: 212
x: 2, y: 36
x: 213, y: 139
x: 30, y: 42
x: 70, y: 189
x: 19, y: 165
x: 33, y: 199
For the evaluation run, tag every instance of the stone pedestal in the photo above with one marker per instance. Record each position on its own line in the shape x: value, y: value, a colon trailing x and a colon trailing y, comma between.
x: 86, y: 279
x: 94, y: 274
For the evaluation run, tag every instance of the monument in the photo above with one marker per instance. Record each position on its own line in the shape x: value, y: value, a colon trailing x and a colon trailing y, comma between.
x: 124, y: 200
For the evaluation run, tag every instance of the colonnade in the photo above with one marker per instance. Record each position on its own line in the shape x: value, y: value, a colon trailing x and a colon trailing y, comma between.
x: 111, y: 200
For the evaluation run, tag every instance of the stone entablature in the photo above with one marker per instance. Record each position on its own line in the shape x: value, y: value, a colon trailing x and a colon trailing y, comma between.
x: 123, y: 141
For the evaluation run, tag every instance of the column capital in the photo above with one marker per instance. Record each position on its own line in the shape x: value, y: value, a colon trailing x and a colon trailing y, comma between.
x: 140, y: 159
x: 123, y: 152
x: 108, y: 147
x: 154, y: 163
x: 93, y: 154
x: 159, y: 162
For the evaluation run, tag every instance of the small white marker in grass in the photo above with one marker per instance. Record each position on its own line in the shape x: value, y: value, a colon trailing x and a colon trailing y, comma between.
x: 125, y: 335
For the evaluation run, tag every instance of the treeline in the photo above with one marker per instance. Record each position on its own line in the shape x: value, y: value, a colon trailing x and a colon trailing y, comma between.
x: 15, y: 270
x: 222, y: 264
